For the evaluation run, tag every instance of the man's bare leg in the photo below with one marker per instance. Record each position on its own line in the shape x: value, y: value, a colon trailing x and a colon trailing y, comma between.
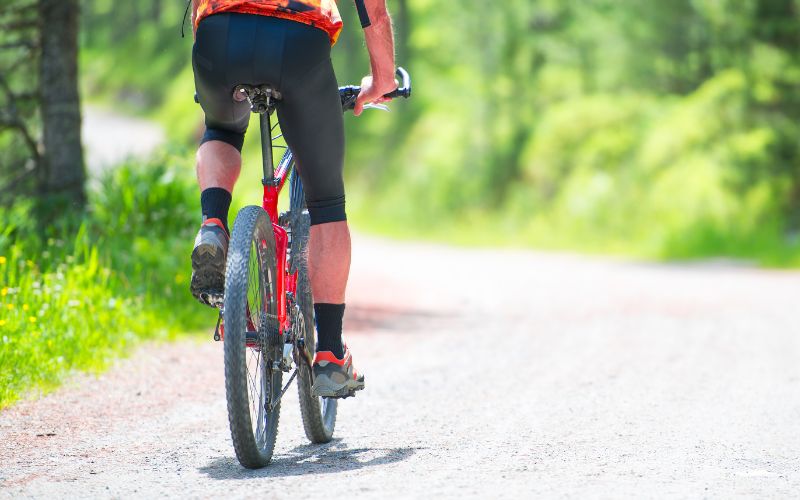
x: 328, y: 268
x: 218, y: 165
x: 329, y: 261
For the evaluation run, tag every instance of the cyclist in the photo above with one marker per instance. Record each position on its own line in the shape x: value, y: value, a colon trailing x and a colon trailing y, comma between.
x: 285, y: 43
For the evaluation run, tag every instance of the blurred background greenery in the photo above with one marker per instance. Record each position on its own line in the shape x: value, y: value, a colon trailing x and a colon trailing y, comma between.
x: 665, y: 129
x: 661, y: 130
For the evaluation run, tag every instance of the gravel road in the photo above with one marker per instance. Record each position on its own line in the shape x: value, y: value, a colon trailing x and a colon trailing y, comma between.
x: 490, y: 374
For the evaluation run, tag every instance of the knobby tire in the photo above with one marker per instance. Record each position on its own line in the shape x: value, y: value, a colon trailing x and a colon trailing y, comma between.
x: 250, y: 298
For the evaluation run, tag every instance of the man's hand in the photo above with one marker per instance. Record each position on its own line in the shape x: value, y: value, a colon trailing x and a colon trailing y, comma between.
x: 372, y: 91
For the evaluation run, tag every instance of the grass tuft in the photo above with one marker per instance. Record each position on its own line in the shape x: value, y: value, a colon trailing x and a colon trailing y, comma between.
x: 84, y: 292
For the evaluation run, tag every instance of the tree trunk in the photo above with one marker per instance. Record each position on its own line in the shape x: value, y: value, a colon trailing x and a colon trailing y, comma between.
x: 155, y: 11
x: 63, y: 170
x: 403, y: 33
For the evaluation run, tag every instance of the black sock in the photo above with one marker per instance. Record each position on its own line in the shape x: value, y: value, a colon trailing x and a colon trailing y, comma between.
x: 215, y: 203
x: 329, y: 328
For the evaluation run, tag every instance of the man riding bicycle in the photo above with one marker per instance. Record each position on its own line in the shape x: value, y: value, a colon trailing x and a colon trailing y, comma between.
x: 285, y: 43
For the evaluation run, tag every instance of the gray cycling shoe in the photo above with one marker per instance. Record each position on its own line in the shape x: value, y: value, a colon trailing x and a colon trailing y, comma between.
x: 208, y: 262
x: 335, y: 378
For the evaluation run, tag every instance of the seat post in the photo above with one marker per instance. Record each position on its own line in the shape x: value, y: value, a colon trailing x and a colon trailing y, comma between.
x: 266, y: 149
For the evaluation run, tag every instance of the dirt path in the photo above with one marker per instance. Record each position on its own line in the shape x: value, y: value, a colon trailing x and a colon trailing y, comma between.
x: 489, y: 374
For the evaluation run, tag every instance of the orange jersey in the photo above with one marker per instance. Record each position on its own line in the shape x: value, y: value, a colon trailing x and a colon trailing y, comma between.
x: 321, y: 14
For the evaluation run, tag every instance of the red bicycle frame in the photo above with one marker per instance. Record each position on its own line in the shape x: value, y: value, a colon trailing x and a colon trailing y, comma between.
x: 273, y: 181
x: 260, y: 99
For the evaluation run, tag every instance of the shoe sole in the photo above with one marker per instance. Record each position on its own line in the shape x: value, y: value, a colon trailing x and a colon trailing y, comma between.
x: 208, y: 273
x: 324, y: 388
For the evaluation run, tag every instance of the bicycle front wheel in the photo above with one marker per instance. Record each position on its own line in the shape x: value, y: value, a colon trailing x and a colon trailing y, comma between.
x: 252, y: 339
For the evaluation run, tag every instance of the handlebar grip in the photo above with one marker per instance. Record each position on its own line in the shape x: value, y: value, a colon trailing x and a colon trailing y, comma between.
x: 349, y: 93
x: 404, y: 90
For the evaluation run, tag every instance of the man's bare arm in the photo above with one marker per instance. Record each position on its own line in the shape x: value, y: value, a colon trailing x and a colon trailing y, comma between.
x: 380, y: 42
x: 380, y: 45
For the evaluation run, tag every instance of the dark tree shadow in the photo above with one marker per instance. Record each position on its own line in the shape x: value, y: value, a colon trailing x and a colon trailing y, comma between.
x: 327, y: 458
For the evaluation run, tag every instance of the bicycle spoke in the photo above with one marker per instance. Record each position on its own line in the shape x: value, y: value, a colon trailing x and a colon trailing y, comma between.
x: 253, y: 384
x: 259, y: 401
x: 254, y: 387
x: 254, y: 292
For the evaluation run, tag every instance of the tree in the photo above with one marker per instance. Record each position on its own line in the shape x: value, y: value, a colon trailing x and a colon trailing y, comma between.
x: 63, y: 174
x: 19, y: 144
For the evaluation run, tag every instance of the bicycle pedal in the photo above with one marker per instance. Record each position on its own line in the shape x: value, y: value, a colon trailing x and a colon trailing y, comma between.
x: 349, y: 394
x: 213, y: 299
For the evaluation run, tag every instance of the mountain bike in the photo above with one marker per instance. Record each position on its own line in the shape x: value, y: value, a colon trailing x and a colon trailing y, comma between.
x: 266, y: 314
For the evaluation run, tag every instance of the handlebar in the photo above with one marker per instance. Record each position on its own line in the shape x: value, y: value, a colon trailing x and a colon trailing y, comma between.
x: 404, y: 90
x: 349, y: 93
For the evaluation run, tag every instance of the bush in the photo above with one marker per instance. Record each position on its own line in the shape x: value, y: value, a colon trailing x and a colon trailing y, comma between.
x: 88, y: 291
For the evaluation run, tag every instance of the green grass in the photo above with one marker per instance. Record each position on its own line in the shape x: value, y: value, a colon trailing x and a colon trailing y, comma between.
x: 78, y: 295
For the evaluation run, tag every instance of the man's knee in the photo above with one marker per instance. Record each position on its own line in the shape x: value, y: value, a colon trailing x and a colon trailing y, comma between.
x: 325, y: 211
x: 235, y: 139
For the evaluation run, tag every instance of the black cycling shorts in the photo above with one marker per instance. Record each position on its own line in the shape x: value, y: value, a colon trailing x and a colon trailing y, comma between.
x: 232, y: 49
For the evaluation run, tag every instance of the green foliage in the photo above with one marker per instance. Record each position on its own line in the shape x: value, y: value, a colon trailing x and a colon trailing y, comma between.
x: 663, y: 130
x: 90, y: 289
x: 666, y: 130
x: 131, y: 51
x: 19, y: 114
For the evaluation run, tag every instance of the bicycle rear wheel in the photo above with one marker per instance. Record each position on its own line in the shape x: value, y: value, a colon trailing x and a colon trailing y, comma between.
x: 252, y: 339
x: 319, y: 414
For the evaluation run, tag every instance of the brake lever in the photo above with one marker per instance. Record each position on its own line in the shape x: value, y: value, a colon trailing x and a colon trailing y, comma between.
x: 381, y: 107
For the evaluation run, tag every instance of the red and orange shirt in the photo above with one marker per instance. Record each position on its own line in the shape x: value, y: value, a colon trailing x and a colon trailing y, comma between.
x: 321, y: 14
